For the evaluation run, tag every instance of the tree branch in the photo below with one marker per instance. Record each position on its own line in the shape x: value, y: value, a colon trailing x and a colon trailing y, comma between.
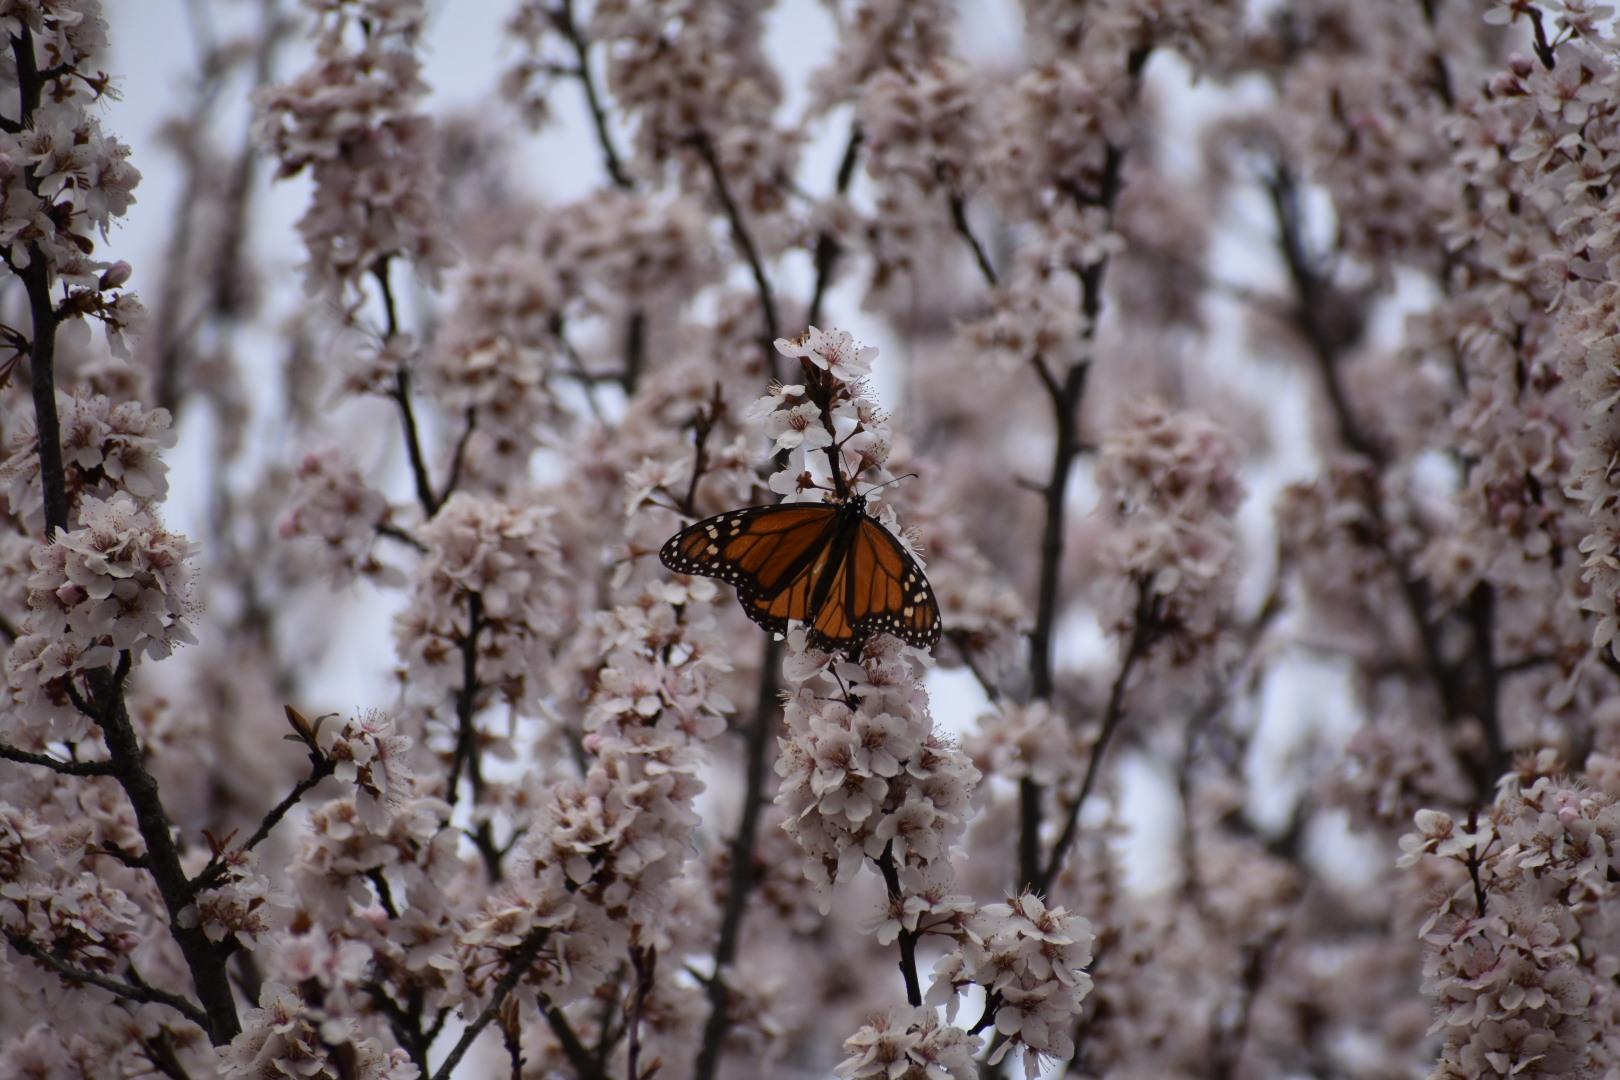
x: 741, y: 880
x: 205, y: 960
x: 122, y: 988
x: 959, y: 218
x: 401, y: 393
x: 745, y: 242
x: 569, y: 28
x: 907, y: 938
x: 66, y: 768
x: 517, y: 962
x: 828, y: 250
x: 1143, y: 632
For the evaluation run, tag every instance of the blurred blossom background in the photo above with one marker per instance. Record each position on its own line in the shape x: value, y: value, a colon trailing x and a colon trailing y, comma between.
x: 1245, y: 375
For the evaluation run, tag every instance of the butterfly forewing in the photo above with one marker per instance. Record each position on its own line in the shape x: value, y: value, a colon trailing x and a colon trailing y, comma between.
x: 828, y: 566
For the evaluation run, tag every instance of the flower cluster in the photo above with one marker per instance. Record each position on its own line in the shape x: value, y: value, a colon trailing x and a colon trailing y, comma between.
x: 107, y: 447
x: 120, y: 583
x: 305, y: 1023
x: 1029, y: 959
x: 863, y: 772
x: 1170, y: 480
x: 1510, y: 953
x: 351, y: 120
x: 62, y: 178
x: 905, y: 1043
x: 336, y: 515
x: 489, y: 583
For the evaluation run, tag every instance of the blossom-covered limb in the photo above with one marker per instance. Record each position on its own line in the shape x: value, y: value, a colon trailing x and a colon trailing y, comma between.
x: 1313, y: 299
x: 129, y: 988
x: 107, y: 706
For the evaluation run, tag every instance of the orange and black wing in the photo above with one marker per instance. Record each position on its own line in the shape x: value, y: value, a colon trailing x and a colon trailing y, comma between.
x: 886, y: 590
x: 773, y: 555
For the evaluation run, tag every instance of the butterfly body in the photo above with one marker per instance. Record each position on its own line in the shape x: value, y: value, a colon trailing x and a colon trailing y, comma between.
x: 831, y: 566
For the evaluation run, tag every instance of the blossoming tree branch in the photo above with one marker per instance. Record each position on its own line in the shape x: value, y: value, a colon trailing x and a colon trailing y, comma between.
x: 1175, y: 637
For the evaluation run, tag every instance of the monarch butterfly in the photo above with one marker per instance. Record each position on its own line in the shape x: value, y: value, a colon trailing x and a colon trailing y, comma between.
x: 831, y: 566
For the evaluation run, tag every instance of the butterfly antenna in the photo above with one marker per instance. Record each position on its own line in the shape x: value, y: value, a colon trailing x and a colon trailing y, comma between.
x: 896, y: 480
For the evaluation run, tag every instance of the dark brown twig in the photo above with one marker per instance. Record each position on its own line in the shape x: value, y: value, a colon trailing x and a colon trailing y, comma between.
x: 568, y: 26
x: 66, y: 768
x: 741, y: 879
x: 517, y: 964
x: 828, y: 250
x: 1144, y: 630
x: 401, y: 395
x: 907, y: 938
x: 745, y: 243
x: 129, y: 990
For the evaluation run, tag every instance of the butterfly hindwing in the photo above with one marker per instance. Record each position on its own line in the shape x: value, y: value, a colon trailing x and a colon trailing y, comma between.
x: 892, y: 594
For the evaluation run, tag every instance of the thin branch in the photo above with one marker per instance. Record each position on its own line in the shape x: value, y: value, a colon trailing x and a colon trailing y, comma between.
x: 401, y: 393
x: 458, y: 458
x: 514, y: 1049
x: 645, y: 963
x: 66, y: 768
x: 965, y: 230
x: 321, y: 767
x: 1228, y: 1051
x: 126, y: 989
x: 569, y: 28
x: 161, y: 1054
x: 740, y: 881
x: 466, y: 752
x: 517, y: 963
x: 745, y: 242
x: 635, y: 350
x: 828, y: 250
x: 573, y: 1049
x: 907, y: 938
x: 394, y: 532
x: 1143, y: 633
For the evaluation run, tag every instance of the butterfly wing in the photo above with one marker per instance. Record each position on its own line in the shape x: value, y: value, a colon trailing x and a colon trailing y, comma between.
x: 773, y: 555
x: 839, y: 572
x: 888, y: 592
